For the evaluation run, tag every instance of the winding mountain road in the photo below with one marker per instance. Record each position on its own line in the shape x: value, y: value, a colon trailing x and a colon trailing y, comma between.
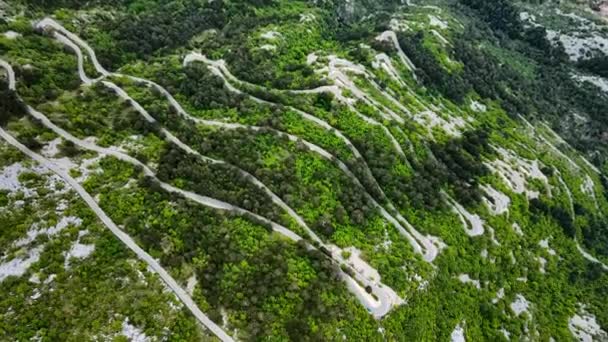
x: 377, y: 307
x: 64, y: 40
x: 49, y: 22
x: 220, y: 70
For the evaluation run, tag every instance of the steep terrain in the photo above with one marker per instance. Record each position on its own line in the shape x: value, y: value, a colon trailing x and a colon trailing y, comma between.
x: 303, y: 170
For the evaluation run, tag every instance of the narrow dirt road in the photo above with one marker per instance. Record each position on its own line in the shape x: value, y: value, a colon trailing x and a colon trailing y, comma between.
x: 392, y: 36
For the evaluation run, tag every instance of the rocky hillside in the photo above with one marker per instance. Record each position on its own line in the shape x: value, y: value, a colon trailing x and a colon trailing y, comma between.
x: 303, y: 170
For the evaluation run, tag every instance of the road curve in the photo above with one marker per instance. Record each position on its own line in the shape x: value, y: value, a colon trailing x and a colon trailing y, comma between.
x: 392, y: 36
x: 10, y: 73
x: 49, y: 22
x: 63, y: 39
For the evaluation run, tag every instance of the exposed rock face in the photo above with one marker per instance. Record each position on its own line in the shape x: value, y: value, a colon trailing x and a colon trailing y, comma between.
x: 350, y: 11
x: 600, y: 6
x: 603, y: 9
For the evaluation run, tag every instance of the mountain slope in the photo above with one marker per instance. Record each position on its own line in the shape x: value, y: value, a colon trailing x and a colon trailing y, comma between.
x: 305, y: 170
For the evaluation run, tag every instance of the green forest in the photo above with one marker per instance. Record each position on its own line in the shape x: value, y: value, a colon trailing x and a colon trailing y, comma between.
x: 291, y: 170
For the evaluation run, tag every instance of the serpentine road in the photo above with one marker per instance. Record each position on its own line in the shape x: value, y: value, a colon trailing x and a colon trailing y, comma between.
x: 69, y: 38
x: 431, y: 250
x: 378, y: 307
x: 385, y: 296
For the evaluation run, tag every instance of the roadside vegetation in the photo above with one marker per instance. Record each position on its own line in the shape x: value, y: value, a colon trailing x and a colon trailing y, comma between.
x: 451, y: 178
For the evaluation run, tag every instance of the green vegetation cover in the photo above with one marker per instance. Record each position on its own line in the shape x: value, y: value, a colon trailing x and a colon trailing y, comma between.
x: 329, y: 170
